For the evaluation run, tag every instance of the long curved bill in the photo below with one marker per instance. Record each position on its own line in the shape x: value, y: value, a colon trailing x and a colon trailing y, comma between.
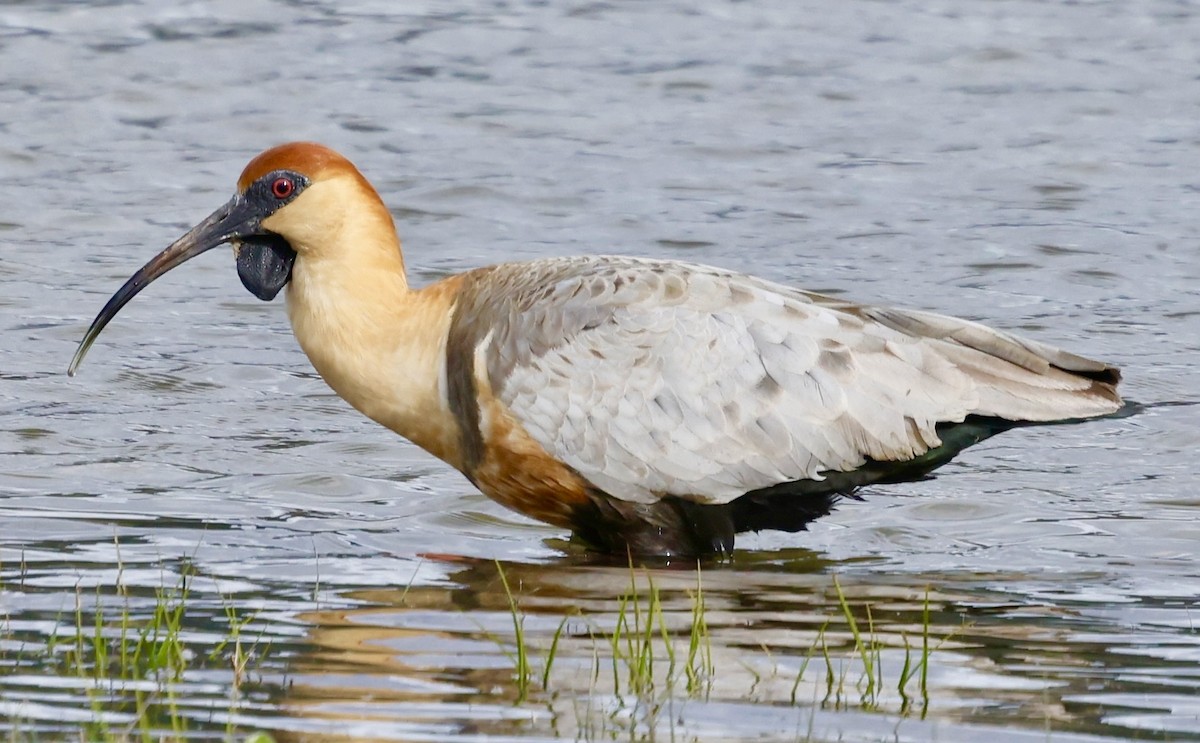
x: 233, y: 220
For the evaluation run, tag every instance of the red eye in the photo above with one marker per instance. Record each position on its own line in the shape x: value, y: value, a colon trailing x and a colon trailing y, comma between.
x: 282, y: 188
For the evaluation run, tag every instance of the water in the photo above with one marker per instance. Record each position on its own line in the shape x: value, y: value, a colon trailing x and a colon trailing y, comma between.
x: 1032, y: 165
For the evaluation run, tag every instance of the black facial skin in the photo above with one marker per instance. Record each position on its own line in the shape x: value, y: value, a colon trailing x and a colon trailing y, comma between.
x: 264, y: 260
x: 264, y: 264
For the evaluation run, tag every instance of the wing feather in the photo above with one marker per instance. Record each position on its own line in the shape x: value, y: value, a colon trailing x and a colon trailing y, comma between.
x: 652, y: 378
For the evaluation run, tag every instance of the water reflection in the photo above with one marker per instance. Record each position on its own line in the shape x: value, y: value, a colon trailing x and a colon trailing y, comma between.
x: 778, y: 637
x: 436, y: 656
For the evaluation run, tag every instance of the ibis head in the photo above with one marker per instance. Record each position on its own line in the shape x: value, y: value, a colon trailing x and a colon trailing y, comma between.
x: 266, y: 221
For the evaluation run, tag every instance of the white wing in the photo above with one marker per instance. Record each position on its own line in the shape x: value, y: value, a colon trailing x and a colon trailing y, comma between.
x: 653, y: 378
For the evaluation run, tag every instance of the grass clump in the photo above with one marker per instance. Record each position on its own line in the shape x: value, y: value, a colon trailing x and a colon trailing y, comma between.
x: 907, y: 693
x: 640, y: 650
x: 651, y: 652
x: 133, y: 661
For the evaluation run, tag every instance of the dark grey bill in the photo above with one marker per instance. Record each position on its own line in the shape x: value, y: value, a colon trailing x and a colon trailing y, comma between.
x: 237, y: 219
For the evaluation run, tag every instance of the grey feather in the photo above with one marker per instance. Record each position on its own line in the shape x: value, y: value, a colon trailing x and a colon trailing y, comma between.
x: 654, y: 378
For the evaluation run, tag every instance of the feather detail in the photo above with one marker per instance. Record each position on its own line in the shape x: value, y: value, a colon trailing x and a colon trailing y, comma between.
x: 652, y: 379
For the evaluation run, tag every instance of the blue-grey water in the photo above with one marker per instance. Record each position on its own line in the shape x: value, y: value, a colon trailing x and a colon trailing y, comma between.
x: 1034, y: 165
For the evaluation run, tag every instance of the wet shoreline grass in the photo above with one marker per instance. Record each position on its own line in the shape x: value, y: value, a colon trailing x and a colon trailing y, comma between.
x: 134, y: 660
x: 647, y: 657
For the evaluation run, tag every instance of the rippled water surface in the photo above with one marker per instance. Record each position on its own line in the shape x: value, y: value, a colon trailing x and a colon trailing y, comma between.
x: 1033, y: 165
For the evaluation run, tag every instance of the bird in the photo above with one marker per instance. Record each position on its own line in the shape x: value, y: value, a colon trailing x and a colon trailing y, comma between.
x: 650, y: 407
